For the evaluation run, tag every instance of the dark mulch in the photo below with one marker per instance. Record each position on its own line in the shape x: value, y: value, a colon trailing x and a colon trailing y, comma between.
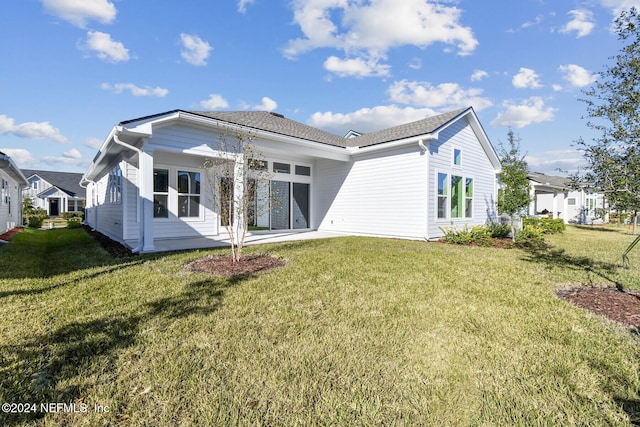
x: 623, y: 307
x: 116, y: 249
x: 8, y: 235
x: 224, y: 265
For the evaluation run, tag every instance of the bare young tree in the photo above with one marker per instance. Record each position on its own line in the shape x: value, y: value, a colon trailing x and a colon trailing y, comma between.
x: 239, y: 178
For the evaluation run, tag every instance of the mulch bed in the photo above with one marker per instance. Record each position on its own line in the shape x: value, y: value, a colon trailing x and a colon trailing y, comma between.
x: 116, y: 249
x: 9, y: 234
x: 623, y: 307
x: 224, y: 265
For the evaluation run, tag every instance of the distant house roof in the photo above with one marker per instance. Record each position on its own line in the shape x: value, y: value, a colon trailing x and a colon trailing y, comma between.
x: 549, y: 180
x: 65, y: 181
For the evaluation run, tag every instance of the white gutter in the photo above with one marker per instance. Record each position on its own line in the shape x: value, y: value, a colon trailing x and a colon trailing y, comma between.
x: 139, y: 178
x: 7, y: 163
x: 394, y: 144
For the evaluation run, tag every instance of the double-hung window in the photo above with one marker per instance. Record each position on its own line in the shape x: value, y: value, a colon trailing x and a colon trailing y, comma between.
x: 188, y: 194
x: 160, y: 193
x: 443, y: 195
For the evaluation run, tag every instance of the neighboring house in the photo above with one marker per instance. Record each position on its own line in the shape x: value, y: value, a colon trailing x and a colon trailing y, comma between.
x: 55, y: 192
x: 552, y: 195
x: 409, y: 181
x: 12, y: 181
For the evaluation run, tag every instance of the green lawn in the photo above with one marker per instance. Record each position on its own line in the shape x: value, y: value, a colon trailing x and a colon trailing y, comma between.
x: 352, y: 331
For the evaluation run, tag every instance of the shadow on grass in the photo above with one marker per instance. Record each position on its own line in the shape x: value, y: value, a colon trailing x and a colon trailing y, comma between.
x: 53, y: 367
x: 632, y: 408
x: 599, y: 228
x: 38, y: 291
x: 551, y: 257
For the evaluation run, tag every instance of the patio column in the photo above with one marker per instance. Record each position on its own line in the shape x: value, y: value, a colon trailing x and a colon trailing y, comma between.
x: 145, y: 165
x: 555, y: 205
x: 532, y: 196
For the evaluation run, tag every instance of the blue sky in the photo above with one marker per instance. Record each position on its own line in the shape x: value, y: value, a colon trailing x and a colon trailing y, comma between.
x: 72, y: 69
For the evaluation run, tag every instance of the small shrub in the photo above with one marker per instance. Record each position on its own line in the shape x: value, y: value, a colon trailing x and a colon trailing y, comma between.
x: 530, y: 237
x: 499, y: 231
x: 35, y: 217
x: 477, y: 234
x: 74, y: 222
x: 457, y: 236
x: 544, y: 225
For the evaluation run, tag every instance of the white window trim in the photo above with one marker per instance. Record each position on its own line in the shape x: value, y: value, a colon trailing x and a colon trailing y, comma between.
x: 448, y: 219
x: 172, y: 199
x: 453, y: 157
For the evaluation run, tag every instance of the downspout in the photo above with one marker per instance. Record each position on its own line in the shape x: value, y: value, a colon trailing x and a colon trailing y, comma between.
x: 139, y: 178
x: 427, y: 174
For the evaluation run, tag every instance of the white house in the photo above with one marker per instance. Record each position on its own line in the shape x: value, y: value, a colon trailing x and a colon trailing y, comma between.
x: 552, y: 195
x: 55, y: 192
x: 147, y: 183
x: 12, y: 182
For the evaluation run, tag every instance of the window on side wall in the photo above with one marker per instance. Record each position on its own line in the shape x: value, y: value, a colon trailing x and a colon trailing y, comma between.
x: 457, y: 157
x: 468, y: 198
x: 188, y: 194
x: 160, y: 193
x: 443, y: 193
x: 457, y: 196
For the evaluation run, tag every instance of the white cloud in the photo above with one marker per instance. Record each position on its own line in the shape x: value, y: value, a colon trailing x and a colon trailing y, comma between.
x: 20, y: 156
x: 617, y: 6
x: 415, y: 64
x: 72, y: 154
x: 550, y: 161
x: 577, y: 76
x: 478, y: 75
x: 532, y: 110
x: 80, y: 12
x: 538, y: 20
x: 582, y: 23
x: 444, y: 96
x: 71, y: 157
x: 367, y: 30
x: 135, y: 90
x: 93, y: 142
x: 242, y: 5
x: 526, y: 78
x: 105, y: 48
x: 30, y: 130
x: 268, y: 104
x: 214, y: 102
x: 195, y: 50
x: 368, y: 119
x: 356, y: 67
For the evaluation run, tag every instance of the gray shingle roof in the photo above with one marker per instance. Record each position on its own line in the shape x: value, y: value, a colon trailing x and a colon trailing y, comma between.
x: 277, y: 123
x: 556, y: 181
x: 407, y: 130
x: 66, y: 181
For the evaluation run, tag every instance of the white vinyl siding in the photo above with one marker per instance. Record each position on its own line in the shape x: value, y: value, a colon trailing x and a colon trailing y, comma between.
x: 107, y: 217
x: 377, y: 194
x: 10, y: 196
x: 479, y: 200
